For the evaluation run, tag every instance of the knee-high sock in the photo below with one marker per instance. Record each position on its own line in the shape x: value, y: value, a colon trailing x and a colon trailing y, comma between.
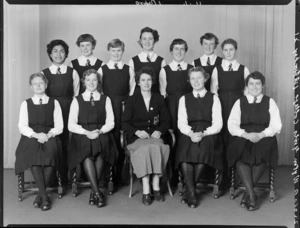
x: 146, y: 184
x: 258, y: 172
x: 48, y: 171
x: 99, y: 164
x: 155, y: 182
x: 245, y: 172
x: 188, y: 175
x: 37, y: 173
x: 90, y: 171
x: 198, y: 171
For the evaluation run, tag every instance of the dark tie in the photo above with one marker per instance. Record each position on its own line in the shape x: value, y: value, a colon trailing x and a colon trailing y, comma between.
x: 179, y: 67
x: 208, y: 61
x: 92, y: 100
x: 230, y: 67
x: 198, y: 95
x: 255, y: 99
x: 88, y: 63
x: 116, y: 66
x: 148, y: 58
x: 41, y: 101
x: 58, y: 71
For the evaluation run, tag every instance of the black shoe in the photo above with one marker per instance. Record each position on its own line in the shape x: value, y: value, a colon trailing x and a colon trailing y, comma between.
x: 99, y: 199
x: 158, y: 196
x: 92, y: 200
x: 38, y: 201
x: 184, y: 199
x: 252, y: 206
x: 147, y: 199
x: 192, y: 202
x: 46, y: 203
x: 245, y: 199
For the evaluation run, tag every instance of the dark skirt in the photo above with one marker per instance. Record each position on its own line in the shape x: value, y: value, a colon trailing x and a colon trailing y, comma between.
x: 81, y: 147
x: 208, y: 151
x: 264, y: 151
x: 30, y: 152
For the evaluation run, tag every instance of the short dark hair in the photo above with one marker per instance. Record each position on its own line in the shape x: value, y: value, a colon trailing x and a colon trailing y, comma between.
x: 198, y: 69
x: 35, y: 75
x: 88, y: 73
x: 54, y: 43
x: 146, y: 70
x: 153, y: 31
x: 209, y: 36
x: 257, y: 76
x: 179, y: 41
x: 86, y: 38
x: 116, y: 43
x: 229, y: 41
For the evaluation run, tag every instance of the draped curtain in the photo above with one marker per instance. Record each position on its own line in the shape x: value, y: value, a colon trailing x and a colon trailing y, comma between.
x: 265, y: 36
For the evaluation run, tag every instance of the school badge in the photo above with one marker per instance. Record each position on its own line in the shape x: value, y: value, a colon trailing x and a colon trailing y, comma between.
x: 156, y: 120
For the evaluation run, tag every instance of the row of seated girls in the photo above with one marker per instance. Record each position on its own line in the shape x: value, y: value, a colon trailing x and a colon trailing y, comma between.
x: 215, y: 107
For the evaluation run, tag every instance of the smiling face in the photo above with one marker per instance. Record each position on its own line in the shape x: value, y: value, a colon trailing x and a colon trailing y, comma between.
x: 145, y: 82
x: 116, y: 54
x: 147, y: 41
x: 58, y: 55
x: 91, y: 82
x: 229, y: 52
x: 178, y: 52
x: 209, y: 46
x: 38, y: 86
x: 86, y: 48
x: 255, y: 87
x: 197, y: 80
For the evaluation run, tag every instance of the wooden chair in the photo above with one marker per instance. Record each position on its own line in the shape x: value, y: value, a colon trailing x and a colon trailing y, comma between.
x: 215, y: 184
x: 29, y: 186
x: 269, y: 186
x: 127, y: 161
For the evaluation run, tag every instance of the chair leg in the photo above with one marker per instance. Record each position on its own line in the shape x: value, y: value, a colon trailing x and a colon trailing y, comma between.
x: 60, y: 188
x: 74, y: 184
x: 232, y: 169
x: 110, y: 183
x: 180, y: 184
x: 20, y: 186
x: 168, y: 181
x: 216, y: 192
x: 131, y: 179
x: 272, y: 192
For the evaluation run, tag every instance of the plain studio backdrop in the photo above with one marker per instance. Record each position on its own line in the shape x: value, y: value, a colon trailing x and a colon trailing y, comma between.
x: 265, y: 36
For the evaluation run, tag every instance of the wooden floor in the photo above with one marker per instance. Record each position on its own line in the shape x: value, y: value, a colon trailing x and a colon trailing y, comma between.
x: 123, y: 210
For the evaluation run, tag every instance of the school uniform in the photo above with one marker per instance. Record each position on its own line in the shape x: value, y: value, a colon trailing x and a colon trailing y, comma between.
x: 249, y: 116
x: 200, y: 114
x: 83, y: 64
x: 148, y: 156
x: 208, y: 63
x: 173, y: 80
x: 229, y: 85
x: 91, y: 115
x: 156, y: 62
x: 39, y: 115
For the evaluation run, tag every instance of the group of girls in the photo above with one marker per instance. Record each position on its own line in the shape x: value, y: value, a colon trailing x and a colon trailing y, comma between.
x: 195, y: 100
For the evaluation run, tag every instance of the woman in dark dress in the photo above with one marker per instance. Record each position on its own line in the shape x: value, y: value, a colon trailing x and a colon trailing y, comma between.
x: 91, y: 119
x: 148, y: 38
x: 63, y: 85
x: 209, y: 60
x: 87, y: 60
x: 199, y: 121
x: 118, y: 83
x: 254, y: 120
x: 39, y: 148
x: 146, y: 120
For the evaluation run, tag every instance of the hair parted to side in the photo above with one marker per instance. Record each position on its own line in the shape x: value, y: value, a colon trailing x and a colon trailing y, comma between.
x: 257, y: 76
x: 35, y: 75
x: 178, y: 41
x: 115, y: 43
x: 86, y: 38
x: 229, y: 41
x: 198, y: 69
x: 146, y: 70
x: 150, y: 30
x: 88, y: 73
x: 209, y: 36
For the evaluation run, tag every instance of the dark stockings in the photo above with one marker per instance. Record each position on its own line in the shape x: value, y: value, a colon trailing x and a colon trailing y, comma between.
x: 93, y: 170
x: 42, y: 176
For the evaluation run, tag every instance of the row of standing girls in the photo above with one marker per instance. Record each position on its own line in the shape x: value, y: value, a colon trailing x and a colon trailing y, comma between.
x: 227, y: 80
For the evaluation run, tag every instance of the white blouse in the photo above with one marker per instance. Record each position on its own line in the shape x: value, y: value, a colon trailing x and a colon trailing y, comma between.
x: 73, y: 125
x: 143, y: 58
x: 214, y: 86
x: 63, y: 69
x: 82, y: 60
x: 234, y: 120
x: 203, y: 59
x: 111, y: 65
x: 217, y: 121
x: 163, y: 75
x: 23, y: 117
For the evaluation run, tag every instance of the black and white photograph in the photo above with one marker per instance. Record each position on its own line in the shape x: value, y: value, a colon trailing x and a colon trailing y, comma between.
x: 150, y: 114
